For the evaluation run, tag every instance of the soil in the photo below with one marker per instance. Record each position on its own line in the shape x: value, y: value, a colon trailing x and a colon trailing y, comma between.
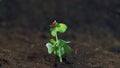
x: 25, y: 48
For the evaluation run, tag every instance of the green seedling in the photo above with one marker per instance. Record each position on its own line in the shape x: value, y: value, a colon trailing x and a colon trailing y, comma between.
x: 58, y: 46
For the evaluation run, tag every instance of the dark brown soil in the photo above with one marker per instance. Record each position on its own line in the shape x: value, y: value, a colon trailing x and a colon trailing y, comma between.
x: 25, y: 48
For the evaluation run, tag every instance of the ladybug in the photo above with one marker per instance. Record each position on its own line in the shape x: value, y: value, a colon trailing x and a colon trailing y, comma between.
x: 53, y: 25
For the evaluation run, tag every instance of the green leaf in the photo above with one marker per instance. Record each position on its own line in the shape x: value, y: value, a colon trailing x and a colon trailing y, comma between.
x: 65, y: 41
x: 53, y: 32
x: 67, y: 49
x: 62, y: 50
x: 52, y: 41
x: 61, y: 42
x: 50, y: 48
x: 61, y: 28
x: 56, y: 51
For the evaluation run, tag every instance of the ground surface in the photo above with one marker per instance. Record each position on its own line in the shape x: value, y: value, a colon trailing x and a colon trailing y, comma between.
x: 25, y: 48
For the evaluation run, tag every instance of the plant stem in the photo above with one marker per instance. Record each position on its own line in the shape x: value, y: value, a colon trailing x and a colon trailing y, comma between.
x: 60, y: 57
x: 56, y: 37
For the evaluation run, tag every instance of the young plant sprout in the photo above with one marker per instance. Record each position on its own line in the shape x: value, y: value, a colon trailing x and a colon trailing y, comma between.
x: 58, y: 46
